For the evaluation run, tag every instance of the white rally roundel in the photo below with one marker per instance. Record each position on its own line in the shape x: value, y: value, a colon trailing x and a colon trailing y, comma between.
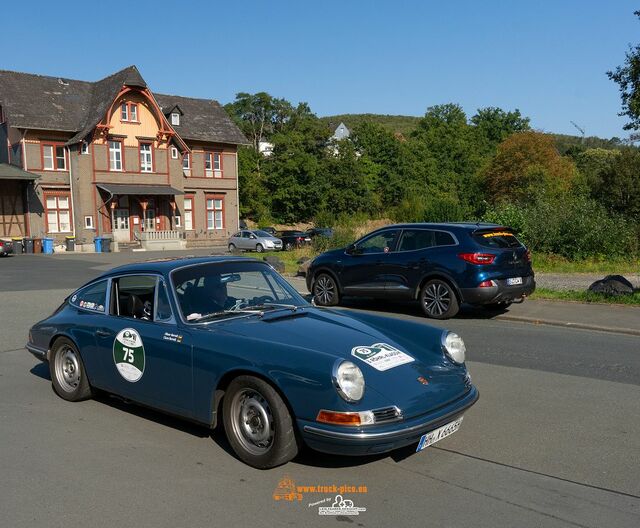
x: 128, y: 354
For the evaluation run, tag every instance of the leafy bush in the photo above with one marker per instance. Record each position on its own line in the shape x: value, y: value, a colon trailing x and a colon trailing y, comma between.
x: 575, y: 227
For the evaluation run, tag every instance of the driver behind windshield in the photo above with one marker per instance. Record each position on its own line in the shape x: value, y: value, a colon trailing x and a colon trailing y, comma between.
x: 211, y: 297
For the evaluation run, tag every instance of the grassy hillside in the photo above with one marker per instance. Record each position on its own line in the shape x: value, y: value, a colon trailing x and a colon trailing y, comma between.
x: 395, y: 123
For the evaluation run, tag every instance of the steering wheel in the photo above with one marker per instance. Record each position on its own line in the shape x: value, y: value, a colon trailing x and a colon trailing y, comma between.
x: 263, y: 299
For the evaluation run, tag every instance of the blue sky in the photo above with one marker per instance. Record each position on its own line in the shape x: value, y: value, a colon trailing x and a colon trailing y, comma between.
x: 547, y: 58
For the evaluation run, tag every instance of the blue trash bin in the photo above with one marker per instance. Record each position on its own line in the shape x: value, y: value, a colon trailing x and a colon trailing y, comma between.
x: 98, y: 243
x: 47, y: 245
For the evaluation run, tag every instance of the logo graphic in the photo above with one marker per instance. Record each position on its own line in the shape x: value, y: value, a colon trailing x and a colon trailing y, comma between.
x: 423, y: 380
x: 128, y: 354
x: 286, y: 490
x: 340, y: 506
x: 381, y: 356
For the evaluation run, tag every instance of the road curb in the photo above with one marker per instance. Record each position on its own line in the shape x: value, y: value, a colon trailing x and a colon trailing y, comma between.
x: 568, y: 324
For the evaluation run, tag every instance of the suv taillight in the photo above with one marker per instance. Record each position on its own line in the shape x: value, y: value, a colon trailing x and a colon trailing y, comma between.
x: 478, y: 258
x: 527, y: 256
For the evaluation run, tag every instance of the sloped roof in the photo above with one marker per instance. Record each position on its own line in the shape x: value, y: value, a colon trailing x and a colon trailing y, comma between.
x: 11, y: 172
x: 202, y: 120
x: 51, y: 103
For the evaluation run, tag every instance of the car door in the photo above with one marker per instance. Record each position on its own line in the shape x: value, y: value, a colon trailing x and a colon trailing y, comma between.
x: 363, y: 268
x: 246, y: 240
x: 419, y: 252
x: 146, y: 355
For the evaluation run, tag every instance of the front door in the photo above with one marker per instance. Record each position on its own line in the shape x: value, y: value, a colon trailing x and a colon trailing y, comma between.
x: 146, y: 356
x: 121, y: 231
x: 364, y: 267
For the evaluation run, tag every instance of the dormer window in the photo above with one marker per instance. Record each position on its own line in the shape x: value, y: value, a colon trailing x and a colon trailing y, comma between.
x: 175, y: 118
x: 129, y: 112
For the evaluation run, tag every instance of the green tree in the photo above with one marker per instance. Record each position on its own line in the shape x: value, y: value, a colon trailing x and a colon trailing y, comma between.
x: 495, y: 125
x: 619, y: 189
x: 627, y: 77
x: 592, y: 163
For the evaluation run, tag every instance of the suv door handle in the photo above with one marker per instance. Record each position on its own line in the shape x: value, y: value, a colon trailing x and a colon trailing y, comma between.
x: 103, y: 333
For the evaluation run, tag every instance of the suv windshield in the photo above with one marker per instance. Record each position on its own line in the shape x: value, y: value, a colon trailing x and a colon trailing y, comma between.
x: 497, y: 239
x: 219, y: 290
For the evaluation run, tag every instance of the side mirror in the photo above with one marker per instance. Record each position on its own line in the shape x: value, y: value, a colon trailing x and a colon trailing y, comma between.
x: 351, y: 250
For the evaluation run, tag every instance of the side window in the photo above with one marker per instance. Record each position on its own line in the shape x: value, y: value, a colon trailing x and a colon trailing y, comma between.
x: 133, y: 296
x: 442, y: 238
x: 238, y: 234
x: 245, y: 234
x: 163, y: 307
x: 92, y: 297
x: 416, y: 239
x: 379, y: 243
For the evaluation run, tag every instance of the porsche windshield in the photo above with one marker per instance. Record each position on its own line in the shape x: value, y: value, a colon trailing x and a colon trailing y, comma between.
x: 217, y: 290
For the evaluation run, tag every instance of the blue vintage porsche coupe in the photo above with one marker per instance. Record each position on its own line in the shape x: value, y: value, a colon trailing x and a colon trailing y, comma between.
x: 228, y: 339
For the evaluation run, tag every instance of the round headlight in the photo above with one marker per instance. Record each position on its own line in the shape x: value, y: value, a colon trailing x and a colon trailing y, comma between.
x: 348, y: 380
x: 454, y: 347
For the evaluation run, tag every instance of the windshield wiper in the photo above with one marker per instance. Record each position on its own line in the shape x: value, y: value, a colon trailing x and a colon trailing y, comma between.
x: 281, y: 306
x: 196, y: 318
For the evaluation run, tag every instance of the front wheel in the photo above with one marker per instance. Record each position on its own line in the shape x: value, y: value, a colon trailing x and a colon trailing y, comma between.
x: 232, y: 248
x: 259, y: 248
x: 68, y: 377
x: 258, y: 423
x: 325, y: 290
x: 438, y: 300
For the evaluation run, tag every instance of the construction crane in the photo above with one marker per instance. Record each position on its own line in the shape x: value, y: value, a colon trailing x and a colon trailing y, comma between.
x: 580, y: 129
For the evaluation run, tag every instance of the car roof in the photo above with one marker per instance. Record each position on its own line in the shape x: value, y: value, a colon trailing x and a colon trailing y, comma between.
x: 444, y: 225
x: 166, y: 265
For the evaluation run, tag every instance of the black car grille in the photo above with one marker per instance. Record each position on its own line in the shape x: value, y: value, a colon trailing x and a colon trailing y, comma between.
x: 387, y: 414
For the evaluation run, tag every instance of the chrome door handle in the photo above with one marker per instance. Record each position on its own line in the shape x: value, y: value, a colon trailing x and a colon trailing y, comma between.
x: 103, y: 333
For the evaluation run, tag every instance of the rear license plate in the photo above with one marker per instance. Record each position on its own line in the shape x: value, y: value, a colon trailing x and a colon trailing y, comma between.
x: 514, y: 281
x: 437, y: 435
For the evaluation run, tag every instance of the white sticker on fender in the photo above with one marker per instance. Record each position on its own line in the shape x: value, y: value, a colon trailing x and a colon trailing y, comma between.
x: 381, y: 356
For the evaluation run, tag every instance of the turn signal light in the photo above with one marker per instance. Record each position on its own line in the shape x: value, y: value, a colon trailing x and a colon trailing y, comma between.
x: 478, y: 258
x: 345, y: 418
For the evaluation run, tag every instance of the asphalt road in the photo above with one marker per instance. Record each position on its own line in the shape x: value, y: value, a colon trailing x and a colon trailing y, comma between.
x: 553, y: 441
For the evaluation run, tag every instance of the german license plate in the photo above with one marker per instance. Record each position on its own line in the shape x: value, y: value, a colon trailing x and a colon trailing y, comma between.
x: 440, y: 433
x: 514, y: 281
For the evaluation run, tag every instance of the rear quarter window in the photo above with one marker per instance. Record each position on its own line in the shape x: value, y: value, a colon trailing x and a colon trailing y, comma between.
x: 92, y: 297
x: 497, y: 239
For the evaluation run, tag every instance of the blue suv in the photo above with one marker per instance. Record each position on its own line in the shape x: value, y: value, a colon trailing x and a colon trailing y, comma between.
x: 441, y: 265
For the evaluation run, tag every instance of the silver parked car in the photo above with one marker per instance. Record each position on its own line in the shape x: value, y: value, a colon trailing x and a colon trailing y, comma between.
x: 256, y: 240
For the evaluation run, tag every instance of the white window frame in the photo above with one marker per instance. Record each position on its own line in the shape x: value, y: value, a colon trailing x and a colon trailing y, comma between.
x: 53, y: 157
x: 146, y: 157
x: 215, y: 215
x: 55, y: 226
x: 188, y: 214
x: 175, y: 118
x: 113, y: 159
x: 174, y: 153
x: 133, y: 112
x: 187, y: 156
x: 124, y: 112
x: 46, y: 158
x: 88, y: 222
x: 84, y: 149
x: 177, y: 220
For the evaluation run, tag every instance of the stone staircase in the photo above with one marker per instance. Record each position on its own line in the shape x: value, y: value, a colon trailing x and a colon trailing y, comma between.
x: 129, y: 246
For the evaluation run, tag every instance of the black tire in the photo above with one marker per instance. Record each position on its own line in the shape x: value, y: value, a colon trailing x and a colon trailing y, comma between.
x: 259, y: 248
x: 325, y: 290
x: 232, y: 248
x: 258, y: 423
x: 68, y: 376
x: 438, y: 300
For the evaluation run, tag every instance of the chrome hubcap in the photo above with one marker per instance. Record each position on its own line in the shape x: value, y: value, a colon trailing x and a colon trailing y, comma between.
x: 437, y: 298
x: 252, y: 421
x: 67, y: 369
x: 325, y: 290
